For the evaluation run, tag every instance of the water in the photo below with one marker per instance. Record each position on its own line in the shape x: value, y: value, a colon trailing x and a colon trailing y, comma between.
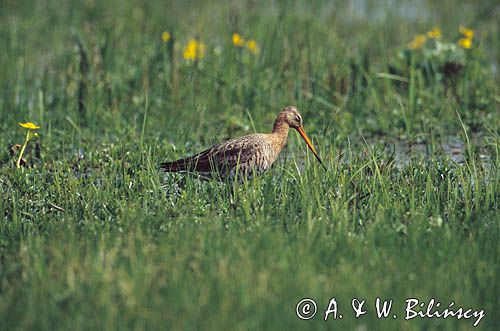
x: 403, y: 152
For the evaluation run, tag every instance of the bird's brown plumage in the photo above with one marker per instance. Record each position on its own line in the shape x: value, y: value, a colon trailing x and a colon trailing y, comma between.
x: 244, y: 156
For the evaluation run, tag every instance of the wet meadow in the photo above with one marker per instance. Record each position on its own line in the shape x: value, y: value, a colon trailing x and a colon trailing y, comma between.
x: 400, y: 98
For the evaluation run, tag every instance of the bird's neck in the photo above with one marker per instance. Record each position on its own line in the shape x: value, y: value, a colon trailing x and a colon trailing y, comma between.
x: 279, y: 135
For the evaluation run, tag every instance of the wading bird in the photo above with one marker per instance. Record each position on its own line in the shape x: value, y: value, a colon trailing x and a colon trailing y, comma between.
x: 245, y: 156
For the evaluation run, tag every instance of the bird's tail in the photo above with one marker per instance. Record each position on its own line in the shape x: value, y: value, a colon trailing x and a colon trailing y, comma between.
x: 175, y: 166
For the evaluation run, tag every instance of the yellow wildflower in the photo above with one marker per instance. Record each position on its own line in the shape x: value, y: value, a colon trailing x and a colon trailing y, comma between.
x: 468, y: 33
x: 29, y: 126
x: 434, y: 33
x: 165, y: 36
x: 252, y: 46
x: 238, y: 40
x: 465, y: 43
x: 418, y: 42
x: 194, y: 50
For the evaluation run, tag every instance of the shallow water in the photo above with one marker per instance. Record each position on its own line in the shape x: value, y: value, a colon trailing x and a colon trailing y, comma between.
x: 450, y: 148
x: 404, y: 152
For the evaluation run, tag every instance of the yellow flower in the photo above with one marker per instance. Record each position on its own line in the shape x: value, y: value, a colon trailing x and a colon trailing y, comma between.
x: 434, y: 33
x: 468, y: 33
x: 418, y: 42
x: 194, y: 50
x: 465, y: 43
x: 165, y: 36
x: 29, y: 126
x: 252, y: 46
x: 238, y: 40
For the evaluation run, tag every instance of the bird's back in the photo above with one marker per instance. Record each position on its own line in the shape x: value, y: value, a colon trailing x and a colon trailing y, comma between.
x: 245, y: 155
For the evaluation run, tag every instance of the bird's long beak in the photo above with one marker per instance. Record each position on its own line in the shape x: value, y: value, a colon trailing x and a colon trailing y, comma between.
x: 304, y: 136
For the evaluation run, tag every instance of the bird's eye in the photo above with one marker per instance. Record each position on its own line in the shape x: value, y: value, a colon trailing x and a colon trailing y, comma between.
x: 297, y: 118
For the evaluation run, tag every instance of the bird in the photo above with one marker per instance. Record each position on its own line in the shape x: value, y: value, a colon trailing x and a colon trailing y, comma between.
x: 246, y: 156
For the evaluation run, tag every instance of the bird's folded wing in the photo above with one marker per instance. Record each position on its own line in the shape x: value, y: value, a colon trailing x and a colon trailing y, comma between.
x: 222, y: 157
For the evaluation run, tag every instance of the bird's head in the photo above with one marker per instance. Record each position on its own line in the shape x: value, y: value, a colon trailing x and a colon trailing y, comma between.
x: 292, y: 117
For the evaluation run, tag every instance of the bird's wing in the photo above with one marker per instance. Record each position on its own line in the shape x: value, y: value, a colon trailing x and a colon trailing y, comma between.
x: 221, y: 157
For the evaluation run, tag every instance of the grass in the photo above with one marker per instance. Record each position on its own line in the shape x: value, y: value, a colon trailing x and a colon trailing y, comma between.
x: 90, y: 240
